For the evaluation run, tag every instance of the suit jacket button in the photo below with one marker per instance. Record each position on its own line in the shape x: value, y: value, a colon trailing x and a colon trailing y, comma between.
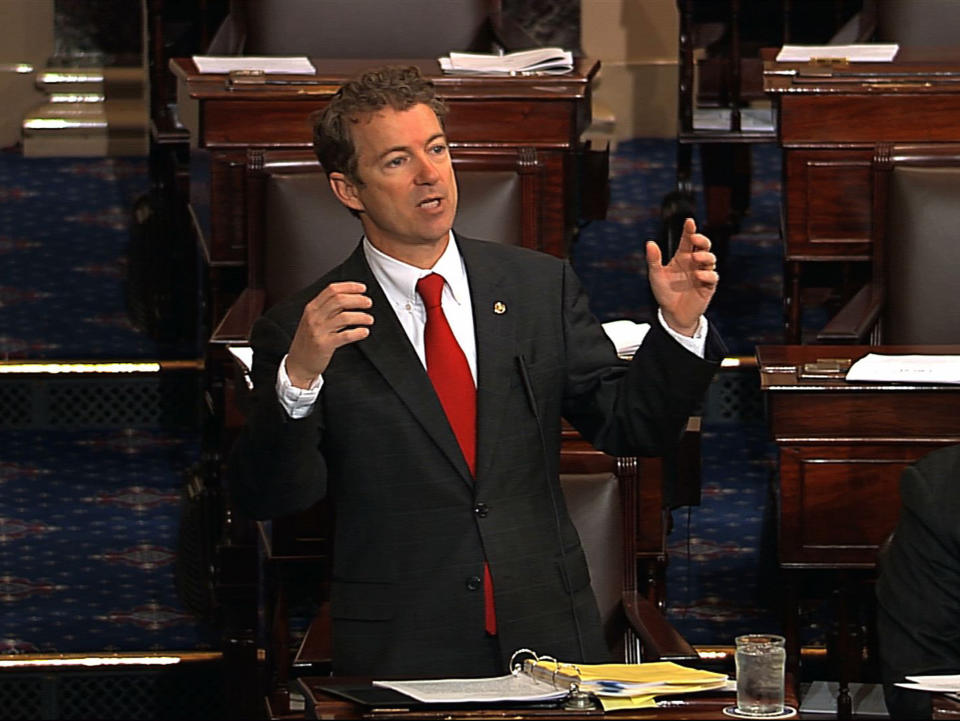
x: 473, y: 583
x: 481, y: 509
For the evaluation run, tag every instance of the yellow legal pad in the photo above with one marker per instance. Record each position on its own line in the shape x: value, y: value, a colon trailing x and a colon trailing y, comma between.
x: 626, y: 685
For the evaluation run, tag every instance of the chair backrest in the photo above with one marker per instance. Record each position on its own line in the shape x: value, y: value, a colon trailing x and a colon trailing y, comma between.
x: 916, y: 217
x: 297, y: 229
x: 928, y: 24
x: 601, y: 494
x: 356, y: 28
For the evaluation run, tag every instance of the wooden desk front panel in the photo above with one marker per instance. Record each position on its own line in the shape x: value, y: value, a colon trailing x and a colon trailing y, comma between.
x: 831, y: 413
x: 839, y: 501
x: 829, y: 116
x: 827, y: 201
x: 284, y: 123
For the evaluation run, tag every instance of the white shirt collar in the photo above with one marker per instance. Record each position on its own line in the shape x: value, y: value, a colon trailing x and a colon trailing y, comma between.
x: 399, y: 279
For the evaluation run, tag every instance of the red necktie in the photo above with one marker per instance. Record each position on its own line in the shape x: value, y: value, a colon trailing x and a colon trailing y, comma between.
x: 450, y: 373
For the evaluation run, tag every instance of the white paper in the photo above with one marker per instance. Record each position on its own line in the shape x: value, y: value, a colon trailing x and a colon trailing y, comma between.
x: 243, y: 354
x: 269, y: 65
x: 476, y: 690
x: 626, y: 335
x: 943, y: 683
x: 857, y: 53
x: 539, y: 60
x: 906, y: 368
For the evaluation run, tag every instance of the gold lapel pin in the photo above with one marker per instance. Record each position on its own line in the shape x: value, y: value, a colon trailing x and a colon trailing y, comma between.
x: 499, y: 307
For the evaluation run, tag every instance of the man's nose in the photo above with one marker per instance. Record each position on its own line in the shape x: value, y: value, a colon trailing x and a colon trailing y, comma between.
x: 427, y: 171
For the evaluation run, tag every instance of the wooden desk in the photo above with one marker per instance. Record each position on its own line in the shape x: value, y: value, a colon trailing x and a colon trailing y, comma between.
x: 547, y: 113
x: 830, y: 118
x: 842, y: 448
x: 320, y: 704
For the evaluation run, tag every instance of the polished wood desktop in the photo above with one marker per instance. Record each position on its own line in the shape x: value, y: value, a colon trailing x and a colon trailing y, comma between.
x: 320, y: 704
x: 547, y: 113
x: 842, y: 448
x: 831, y: 116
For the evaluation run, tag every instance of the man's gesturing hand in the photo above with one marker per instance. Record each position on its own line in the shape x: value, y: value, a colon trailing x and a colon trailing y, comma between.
x: 334, y: 318
x: 684, y: 286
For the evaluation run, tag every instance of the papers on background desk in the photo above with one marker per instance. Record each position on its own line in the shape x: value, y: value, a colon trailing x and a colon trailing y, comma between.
x: 626, y: 335
x: 269, y: 65
x: 551, y: 61
x: 858, y: 53
x: 946, y: 683
x: 906, y: 368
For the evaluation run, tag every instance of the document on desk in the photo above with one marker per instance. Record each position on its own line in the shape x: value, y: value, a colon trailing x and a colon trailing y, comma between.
x: 514, y: 687
x: 268, y: 65
x: 945, y: 683
x: 906, y: 368
x: 857, y: 53
x: 547, y: 60
x: 616, y: 685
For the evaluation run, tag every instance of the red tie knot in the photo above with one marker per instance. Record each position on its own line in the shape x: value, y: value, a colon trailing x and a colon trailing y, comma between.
x: 430, y: 288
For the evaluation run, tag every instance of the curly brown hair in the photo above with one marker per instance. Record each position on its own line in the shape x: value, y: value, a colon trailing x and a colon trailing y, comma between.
x: 398, y: 87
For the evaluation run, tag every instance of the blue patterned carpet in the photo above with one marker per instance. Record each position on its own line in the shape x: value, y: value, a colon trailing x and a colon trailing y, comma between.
x: 88, y: 518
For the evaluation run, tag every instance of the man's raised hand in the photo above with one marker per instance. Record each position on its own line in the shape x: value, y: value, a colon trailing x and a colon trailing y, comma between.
x: 334, y: 318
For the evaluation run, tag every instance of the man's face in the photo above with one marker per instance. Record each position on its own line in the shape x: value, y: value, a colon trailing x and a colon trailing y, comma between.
x: 408, y: 195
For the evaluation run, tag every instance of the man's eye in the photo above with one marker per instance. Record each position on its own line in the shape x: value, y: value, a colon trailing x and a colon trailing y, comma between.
x: 394, y: 162
x: 439, y: 149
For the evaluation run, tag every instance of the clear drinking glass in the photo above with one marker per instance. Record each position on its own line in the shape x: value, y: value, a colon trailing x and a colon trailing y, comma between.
x: 761, y: 664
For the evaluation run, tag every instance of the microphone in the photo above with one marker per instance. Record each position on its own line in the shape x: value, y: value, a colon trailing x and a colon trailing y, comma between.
x: 532, y: 400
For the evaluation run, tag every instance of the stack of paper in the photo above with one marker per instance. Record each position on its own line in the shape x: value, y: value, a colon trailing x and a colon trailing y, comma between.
x: 552, y: 61
x: 626, y: 335
x: 946, y: 683
x: 629, y: 685
x: 617, y: 685
x: 906, y: 368
x: 858, y: 53
x: 268, y: 65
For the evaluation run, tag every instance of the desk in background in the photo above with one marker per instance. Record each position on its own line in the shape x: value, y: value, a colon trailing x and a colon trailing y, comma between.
x: 547, y: 113
x: 830, y: 119
x: 842, y: 448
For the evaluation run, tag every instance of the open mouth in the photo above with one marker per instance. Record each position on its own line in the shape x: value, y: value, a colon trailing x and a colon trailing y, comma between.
x: 430, y: 203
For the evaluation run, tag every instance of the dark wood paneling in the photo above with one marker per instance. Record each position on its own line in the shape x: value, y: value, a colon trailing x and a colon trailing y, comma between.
x: 828, y: 204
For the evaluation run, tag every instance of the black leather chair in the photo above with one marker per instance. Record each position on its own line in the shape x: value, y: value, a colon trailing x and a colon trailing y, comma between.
x: 910, y: 298
x: 608, y: 499
x: 365, y: 28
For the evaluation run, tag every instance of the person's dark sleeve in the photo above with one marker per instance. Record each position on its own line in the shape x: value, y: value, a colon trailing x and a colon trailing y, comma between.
x: 275, y: 466
x: 918, y: 589
x: 635, y: 408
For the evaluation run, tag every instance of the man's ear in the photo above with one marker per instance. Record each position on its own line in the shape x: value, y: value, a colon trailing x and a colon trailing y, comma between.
x: 346, y: 191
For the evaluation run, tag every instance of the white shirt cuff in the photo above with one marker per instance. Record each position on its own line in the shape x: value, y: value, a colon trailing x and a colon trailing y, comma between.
x: 697, y: 344
x: 297, y: 402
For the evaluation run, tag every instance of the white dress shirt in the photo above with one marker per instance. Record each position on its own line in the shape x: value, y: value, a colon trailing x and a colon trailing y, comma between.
x: 399, y: 283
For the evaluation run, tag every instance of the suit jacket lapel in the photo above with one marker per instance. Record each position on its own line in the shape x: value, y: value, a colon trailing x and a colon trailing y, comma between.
x: 495, y: 329
x: 389, y: 350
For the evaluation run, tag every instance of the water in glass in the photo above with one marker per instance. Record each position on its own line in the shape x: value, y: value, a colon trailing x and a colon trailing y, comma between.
x: 761, y: 661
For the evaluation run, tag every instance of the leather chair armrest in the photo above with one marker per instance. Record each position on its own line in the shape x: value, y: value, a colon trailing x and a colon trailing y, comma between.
x: 660, y: 640
x: 854, y: 322
x: 236, y: 324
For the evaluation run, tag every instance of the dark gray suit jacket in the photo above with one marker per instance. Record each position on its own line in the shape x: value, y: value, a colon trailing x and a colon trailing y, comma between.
x: 409, y: 540
x: 918, y: 620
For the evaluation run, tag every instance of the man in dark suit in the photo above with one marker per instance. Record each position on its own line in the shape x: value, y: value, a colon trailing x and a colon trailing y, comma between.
x: 452, y: 545
x: 918, y: 590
